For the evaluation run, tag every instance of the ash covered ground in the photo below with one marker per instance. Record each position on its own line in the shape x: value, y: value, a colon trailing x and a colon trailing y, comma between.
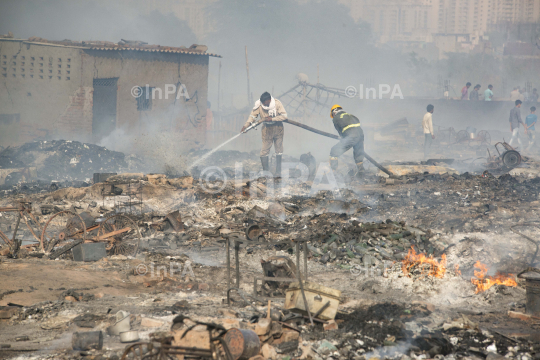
x: 402, y: 255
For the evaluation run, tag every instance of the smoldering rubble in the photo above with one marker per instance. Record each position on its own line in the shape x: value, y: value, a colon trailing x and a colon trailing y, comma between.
x: 425, y: 266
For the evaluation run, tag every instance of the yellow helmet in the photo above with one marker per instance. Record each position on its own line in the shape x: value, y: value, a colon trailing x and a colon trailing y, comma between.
x: 332, y: 110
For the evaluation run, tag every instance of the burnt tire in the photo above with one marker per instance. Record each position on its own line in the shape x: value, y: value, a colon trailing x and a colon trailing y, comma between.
x: 511, y: 159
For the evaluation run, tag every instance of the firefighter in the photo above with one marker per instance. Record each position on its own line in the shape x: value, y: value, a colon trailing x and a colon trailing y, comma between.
x: 352, y: 136
x: 272, y: 113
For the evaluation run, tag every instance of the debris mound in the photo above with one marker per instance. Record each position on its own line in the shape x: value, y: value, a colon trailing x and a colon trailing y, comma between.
x: 63, y: 159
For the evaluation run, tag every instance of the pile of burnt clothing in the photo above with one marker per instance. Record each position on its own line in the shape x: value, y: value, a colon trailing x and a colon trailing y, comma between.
x: 63, y: 160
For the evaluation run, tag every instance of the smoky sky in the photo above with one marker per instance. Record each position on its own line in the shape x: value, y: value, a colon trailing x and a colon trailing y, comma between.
x: 286, y: 37
x: 92, y: 20
x: 283, y: 37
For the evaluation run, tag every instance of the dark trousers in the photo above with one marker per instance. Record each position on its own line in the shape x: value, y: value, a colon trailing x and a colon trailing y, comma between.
x: 427, y: 145
x: 352, y: 138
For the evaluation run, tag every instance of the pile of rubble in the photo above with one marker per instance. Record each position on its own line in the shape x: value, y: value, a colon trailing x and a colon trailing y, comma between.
x: 65, y: 160
x: 391, y: 249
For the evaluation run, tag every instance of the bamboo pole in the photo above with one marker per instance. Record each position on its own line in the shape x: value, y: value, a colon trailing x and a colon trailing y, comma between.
x: 219, y: 91
x: 250, y: 98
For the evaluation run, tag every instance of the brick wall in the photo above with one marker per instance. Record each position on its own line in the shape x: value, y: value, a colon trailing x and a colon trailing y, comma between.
x: 76, y: 120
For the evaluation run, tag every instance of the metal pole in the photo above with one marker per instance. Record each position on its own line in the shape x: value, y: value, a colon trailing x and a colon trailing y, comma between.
x: 301, y: 283
x: 219, y: 91
x: 318, y: 91
x: 228, y: 263
x: 305, y: 260
x: 298, y: 274
x: 236, y: 250
x: 250, y: 99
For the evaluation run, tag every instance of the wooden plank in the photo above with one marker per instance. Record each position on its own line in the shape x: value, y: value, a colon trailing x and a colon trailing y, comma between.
x: 113, y: 233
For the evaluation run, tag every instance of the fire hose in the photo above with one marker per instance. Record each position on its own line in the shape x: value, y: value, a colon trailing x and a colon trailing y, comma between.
x: 323, y: 133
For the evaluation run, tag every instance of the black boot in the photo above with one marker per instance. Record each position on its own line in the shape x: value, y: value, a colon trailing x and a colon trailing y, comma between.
x: 264, y: 162
x: 360, y: 170
x: 278, y: 166
x: 334, y: 163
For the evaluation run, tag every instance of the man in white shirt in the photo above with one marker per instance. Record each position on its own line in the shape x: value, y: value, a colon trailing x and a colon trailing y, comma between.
x: 429, y: 135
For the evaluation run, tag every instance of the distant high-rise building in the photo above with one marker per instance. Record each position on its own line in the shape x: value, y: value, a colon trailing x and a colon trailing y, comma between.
x: 415, y: 20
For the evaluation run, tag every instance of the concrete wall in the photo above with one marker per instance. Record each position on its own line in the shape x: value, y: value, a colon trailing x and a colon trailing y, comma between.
x: 51, y: 88
x: 40, y: 83
x: 156, y: 70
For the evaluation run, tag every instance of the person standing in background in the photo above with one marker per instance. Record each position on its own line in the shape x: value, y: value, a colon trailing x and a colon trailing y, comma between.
x: 514, y: 94
x: 488, y: 94
x: 530, y: 121
x: 515, y: 120
x: 427, y: 125
x: 465, y: 91
x: 522, y: 95
x: 475, y: 96
x: 534, y: 96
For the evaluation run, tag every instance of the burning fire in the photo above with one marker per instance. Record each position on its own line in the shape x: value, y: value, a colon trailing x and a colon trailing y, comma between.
x: 484, y: 282
x: 425, y: 263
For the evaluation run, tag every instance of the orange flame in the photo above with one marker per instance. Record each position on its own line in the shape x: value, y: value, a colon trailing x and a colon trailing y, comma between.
x: 484, y: 282
x: 428, y: 265
x: 456, y: 270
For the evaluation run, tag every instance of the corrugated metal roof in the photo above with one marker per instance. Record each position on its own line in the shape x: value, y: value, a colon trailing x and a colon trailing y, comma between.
x: 161, y: 50
x: 110, y: 46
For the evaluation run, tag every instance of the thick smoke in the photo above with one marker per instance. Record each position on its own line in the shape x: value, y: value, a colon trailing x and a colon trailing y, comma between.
x: 93, y: 20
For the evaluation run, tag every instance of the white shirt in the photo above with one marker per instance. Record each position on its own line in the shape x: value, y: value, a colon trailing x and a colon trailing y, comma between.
x: 427, y: 123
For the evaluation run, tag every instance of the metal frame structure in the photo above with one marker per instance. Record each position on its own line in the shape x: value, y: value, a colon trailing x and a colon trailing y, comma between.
x: 237, y: 243
x: 130, y: 199
x: 298, y: 274
x: 302, y: 96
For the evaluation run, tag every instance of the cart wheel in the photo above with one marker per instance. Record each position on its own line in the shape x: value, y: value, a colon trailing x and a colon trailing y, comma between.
x: 64, y: 225
x: 124, y: 243
x: 462, y: 137
x: 484, y: 137
x: 511, y: 159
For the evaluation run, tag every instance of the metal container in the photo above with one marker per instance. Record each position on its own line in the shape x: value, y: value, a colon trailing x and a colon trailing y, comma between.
x: 242, y: 343
x: 122, y: 323
x: 87, y: 340
x: 316, y: 296
x: 129, y: 336
x: 89, y: 252
x: 532, y: 286
x: 253, y: 232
